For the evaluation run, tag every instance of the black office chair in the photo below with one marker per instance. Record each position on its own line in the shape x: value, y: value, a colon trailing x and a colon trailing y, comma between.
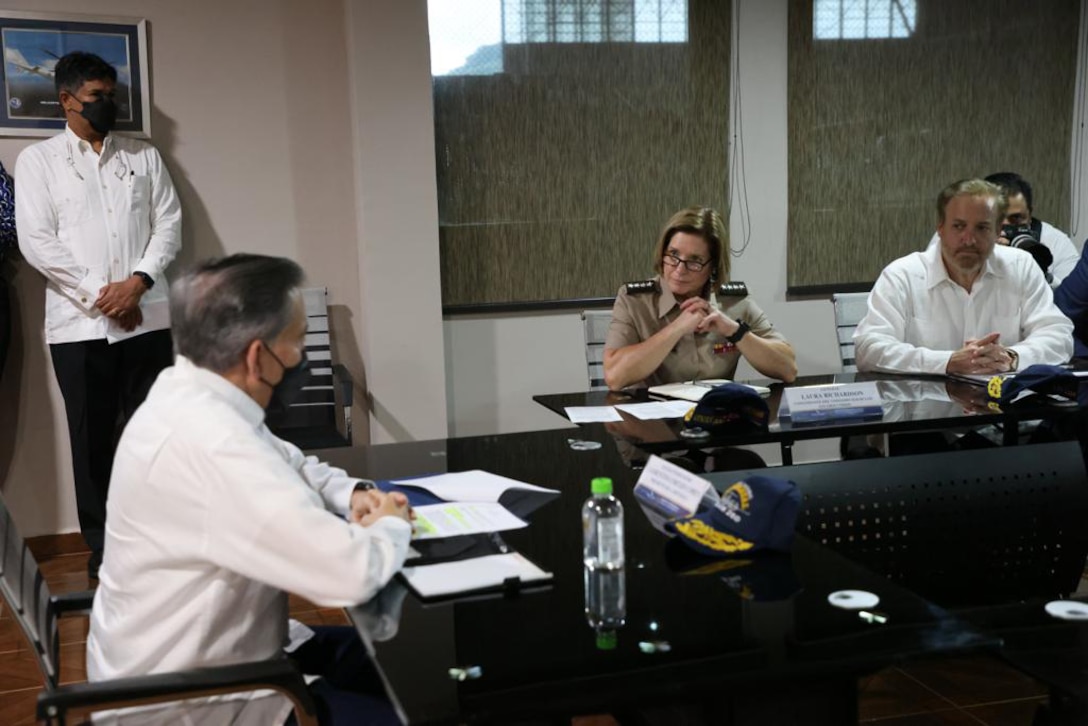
x: 37, y: 610
x: 320, y: 419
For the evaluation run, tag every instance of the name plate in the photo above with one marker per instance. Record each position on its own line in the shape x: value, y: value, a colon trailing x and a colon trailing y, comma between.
x: 673, y: 490
x: 843, y: 400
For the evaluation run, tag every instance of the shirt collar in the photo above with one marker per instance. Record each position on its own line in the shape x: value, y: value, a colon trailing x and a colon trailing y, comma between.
x: 238, y: 399
x: 937, y: 273
x: 82, y: 145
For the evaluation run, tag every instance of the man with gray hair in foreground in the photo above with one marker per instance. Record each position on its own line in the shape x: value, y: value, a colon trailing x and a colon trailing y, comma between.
x: 965, y: 306
x: 212, y: 519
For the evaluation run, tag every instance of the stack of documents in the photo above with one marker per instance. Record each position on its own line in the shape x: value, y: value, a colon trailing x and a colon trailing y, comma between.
x: 695, y: 390
x: 478, y: 574
x: 471, y: 508
x: 647, y: 411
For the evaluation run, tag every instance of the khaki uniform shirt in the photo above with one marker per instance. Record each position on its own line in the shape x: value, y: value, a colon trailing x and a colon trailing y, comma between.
x: 638, y: 316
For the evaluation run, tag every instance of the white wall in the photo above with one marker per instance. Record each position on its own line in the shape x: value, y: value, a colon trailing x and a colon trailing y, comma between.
x: 496, y: 363
x: 396, y: 205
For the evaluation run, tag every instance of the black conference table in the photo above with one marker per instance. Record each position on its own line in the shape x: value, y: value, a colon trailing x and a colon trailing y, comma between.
x: 754, y: 641
x: 911, y: 404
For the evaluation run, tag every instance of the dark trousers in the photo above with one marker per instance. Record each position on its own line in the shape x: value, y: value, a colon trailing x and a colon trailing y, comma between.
x: 102, y: 385
x: 350, y: 690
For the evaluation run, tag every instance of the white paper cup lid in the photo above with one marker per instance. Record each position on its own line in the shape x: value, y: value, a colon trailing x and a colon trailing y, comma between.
x: 1068, y: 609
x: 853, y: 599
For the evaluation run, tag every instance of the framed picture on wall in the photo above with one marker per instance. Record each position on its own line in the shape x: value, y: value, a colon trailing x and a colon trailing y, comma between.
x: 34, y: 42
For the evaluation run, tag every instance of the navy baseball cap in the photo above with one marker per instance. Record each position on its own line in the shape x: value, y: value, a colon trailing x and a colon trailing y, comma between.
x: 757, y: 513
x: 729, y: 408
x: 1040, y: 378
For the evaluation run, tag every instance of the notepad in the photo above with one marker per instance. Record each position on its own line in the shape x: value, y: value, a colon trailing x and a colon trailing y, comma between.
x: 695, y: 390
x: 479, y: 573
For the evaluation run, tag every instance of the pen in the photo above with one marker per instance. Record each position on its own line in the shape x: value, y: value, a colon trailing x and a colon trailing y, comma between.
x: 498, y: 542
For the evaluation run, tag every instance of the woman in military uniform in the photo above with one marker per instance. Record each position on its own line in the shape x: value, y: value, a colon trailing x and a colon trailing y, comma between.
x: 670, y: 328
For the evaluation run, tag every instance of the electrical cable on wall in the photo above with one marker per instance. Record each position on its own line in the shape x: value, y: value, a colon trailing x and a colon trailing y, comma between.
x: 737, y: 175
x: 1080, y: 126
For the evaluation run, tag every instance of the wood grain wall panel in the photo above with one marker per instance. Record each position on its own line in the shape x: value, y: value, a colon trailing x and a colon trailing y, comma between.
x: 878, y: 127
x: 556, y: 176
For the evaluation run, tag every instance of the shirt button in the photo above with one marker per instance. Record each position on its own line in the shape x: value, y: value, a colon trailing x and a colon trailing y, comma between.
x: 83, y: 300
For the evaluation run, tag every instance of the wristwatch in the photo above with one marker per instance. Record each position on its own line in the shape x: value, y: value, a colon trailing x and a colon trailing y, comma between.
x: 149, y: 282
x: 1015, y: 359
x: 742, y: 330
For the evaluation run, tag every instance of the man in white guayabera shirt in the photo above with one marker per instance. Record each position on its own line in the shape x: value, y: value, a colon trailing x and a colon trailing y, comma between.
x: 212, y: 519
x: 98, y: 217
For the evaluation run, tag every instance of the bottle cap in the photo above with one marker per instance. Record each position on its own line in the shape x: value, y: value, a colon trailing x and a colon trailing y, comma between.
x: 601, y: 485
x: 606, y: 640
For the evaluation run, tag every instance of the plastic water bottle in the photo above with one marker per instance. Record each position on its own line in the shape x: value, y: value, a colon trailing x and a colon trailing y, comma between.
x: 602, y: 528
x: 606, y: 604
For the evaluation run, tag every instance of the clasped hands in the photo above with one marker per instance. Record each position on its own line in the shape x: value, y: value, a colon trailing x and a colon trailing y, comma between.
x: 370, y: 505
x: 121, y: 301
x: 696, y: 316
x: 981, y: 356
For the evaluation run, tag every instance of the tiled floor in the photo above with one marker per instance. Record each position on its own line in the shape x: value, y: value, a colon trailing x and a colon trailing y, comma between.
x: 947, y: 692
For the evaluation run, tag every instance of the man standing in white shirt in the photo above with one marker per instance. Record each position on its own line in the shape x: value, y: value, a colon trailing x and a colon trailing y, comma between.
x: 967, y: 306
x: 98, y: 216
x: 1019, y: 219
x: 212, y: 519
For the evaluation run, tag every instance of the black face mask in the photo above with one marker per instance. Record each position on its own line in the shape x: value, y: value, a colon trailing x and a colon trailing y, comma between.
x: 290, y: 386
x: 101, y: 113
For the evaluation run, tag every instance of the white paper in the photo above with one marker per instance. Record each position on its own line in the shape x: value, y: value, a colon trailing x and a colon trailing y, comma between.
x: 656, y: 409
x: 695, y: 390
x: 478, y: 573
x: 475, y: 485
x: 156, y: 317
x: 674, y: 484
x: 591, y: 414
x: 455, y: 518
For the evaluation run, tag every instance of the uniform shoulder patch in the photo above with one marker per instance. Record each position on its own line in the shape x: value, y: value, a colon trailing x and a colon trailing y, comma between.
x: 733, y: 288
x: 641, y: 286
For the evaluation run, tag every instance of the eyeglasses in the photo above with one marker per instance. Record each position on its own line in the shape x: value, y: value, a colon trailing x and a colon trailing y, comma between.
x: 689, y: 265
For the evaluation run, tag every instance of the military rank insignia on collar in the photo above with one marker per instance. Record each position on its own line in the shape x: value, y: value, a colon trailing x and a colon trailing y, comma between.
x: 641, y: 286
